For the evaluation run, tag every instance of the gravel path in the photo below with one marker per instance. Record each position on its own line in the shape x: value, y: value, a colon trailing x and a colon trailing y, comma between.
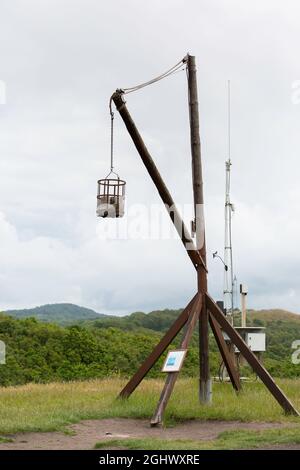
x: 87, y: 433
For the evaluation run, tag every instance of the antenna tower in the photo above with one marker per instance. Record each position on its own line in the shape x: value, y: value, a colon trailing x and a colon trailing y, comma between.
x: 229, y: 208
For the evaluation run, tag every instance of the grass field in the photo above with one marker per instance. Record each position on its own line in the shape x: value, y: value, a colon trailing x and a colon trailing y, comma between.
x: 51, y: 407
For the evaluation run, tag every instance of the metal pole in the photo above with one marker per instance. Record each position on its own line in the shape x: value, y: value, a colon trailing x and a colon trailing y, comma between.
x: 243, y: 302
x: 205, y: 380
x: 228, y: 259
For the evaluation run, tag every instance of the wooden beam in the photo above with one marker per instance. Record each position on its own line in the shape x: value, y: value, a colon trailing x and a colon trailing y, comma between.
x: 225, y: 353
x: 205, y: 389
x: 158, y: 181
x: 157, y: 418
x: 158, y: 350
x: 262, y: 373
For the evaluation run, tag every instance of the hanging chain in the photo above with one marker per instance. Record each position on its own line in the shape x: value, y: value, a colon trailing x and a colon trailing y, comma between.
x: 112, y: 116
x: 111, y: 140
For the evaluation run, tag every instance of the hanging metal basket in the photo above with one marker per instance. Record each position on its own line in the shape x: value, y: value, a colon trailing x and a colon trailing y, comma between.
x: 111, y: 197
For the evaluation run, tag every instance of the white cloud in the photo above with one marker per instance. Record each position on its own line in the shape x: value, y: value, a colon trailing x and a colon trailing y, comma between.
x: 111, y: 276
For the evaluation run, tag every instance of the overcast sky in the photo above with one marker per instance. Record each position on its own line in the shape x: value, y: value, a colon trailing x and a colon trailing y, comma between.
x: 59, y: 63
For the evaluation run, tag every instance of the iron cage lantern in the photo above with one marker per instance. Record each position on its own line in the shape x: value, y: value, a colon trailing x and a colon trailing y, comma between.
x: 111, y: 197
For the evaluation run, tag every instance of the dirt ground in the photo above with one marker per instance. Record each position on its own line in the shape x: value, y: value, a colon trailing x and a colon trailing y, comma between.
x: 87, y: 433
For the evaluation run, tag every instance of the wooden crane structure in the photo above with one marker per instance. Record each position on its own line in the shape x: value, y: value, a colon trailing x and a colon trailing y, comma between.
x: 202, y: 308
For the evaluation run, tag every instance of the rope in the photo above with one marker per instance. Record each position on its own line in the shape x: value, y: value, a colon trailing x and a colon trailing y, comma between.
x: 176, y: 68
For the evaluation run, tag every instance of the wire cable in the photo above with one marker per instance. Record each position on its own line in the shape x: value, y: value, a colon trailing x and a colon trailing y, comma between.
x: 176, y: 68
x: 171, y: 71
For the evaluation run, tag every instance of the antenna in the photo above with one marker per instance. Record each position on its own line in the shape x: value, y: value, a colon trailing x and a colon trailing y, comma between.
x: 228, y: 274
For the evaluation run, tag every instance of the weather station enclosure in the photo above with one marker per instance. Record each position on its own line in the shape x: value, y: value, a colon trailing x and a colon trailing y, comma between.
x: 253, y: 336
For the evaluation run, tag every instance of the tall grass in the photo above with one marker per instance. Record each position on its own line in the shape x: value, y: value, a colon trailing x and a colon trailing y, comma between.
x: 49, y: 407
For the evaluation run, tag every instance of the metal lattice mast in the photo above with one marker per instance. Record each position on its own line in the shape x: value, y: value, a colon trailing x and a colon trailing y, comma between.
x: 228, y: 274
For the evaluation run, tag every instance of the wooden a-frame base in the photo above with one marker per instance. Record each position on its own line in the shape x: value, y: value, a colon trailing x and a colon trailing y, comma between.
x: 217, y: 319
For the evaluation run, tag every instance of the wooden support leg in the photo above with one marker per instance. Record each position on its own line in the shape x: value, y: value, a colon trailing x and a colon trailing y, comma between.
x: 205, y: 383
x: 158, y: 351
x: 225, y: 353
x: 172, y: 376
x: 262, y: 373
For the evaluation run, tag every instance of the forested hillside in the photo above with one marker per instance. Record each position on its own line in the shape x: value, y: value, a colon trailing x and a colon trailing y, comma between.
x: 43, y: 352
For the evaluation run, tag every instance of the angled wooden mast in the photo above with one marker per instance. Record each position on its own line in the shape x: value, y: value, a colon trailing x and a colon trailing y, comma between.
x: 202, y: 306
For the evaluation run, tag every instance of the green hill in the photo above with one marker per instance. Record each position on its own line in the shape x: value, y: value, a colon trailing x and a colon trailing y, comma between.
x: 274, y: 314
x: 282, y: 328
x: 161, y: 320
x: 43, y: 351
x: 157, y: 320
x: 63, y: 313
